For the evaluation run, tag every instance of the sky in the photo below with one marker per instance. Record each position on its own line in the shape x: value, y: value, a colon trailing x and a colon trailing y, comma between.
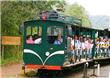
x: 94, y: 7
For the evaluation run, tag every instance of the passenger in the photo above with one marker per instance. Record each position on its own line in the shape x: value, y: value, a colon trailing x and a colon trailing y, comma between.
x: 37, y: 39
x: 77, y: 48
x: 85, y: 51
x: 102, y: 51
x: 72, y: 50
x: 106, y: 47
x: 82, y: 47
x: 29, y: 39
x: 90, y: 49
x: 87, y: 45
x: 97, y: 47
x: 109, y: 47
x: 59, y: 40
x: 72, y: 42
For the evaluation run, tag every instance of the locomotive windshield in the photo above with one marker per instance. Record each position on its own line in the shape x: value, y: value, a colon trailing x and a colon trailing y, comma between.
x: 54, y: 35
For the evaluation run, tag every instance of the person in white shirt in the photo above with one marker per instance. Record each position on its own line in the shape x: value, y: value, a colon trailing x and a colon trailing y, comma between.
x: 90, y: 49
x: 37, y: 39
x: 83, y: 47
x: 77, y: 48
x: 70, y: 49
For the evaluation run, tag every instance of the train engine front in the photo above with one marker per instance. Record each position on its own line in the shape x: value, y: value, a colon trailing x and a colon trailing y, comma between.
x: 44, y: 43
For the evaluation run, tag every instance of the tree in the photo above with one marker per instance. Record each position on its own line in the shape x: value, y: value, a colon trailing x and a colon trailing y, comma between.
x: 13, y: 13
x: 79, y: 12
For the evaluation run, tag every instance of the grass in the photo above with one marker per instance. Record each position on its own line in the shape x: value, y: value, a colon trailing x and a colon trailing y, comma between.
x: 11, y: 55
x: 13, y: 59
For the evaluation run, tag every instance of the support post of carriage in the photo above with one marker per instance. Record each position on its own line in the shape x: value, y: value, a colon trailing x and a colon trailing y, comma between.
x: 98, y: 70
x: 96, y: 65
x: 85, y: 70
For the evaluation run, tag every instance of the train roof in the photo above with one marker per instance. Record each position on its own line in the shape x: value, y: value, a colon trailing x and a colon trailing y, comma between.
x: 66, y: 20
x: 69, y: 21
x: 74, y: 23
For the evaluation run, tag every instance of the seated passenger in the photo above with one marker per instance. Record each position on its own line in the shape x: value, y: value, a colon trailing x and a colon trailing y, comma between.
x: 29, y: 39
x: 37, y: 39
x: 59, y: 40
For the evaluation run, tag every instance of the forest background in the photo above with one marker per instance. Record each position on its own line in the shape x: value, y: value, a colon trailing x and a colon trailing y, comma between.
x: 14, y: 13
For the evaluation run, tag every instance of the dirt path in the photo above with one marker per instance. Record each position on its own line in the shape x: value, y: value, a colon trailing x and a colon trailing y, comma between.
x: 11, y: 71
x: 15, y: 71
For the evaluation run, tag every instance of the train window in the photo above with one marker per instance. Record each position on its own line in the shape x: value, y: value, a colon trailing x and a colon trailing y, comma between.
x: 28, y: 30
x: 33, y: 35
x: 54, y: 35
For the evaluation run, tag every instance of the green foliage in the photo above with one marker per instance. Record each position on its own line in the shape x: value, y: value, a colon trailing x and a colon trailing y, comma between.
x: 16, y: 12
x: 79, y: 12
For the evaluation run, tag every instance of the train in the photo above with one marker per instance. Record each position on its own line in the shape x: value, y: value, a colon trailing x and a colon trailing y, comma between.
x: 47, y: 42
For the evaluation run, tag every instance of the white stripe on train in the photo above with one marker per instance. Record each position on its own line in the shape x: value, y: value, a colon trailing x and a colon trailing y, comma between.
x: 33, y: 52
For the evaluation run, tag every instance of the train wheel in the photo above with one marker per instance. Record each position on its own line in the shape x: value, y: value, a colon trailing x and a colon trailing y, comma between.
x: 41, y: 73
